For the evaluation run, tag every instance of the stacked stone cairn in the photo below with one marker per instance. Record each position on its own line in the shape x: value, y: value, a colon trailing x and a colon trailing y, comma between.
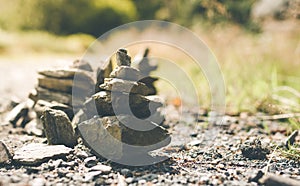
x: 119, y: 115
x: 60, y: 93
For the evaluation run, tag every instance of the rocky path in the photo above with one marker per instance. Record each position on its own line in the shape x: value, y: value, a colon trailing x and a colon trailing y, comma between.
x: 238, y: 153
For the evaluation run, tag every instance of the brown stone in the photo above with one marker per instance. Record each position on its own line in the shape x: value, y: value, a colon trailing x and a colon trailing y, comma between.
x: 36, y: 153
x: 113, y: 136
x: 41, y: 105
x: 60, y: 97
x: 126, y: 73
x: 122, y: 58
x: 58, y: 128
x: 120, y: 85
x: 103, y: 72
x: 108, y: 104
x: 103, y: 138
x: 66, y: 85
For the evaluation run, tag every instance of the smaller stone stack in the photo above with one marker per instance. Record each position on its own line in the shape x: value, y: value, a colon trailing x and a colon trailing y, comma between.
x: 123, y: 127
x: 146, y: 67
x: 69, y: 86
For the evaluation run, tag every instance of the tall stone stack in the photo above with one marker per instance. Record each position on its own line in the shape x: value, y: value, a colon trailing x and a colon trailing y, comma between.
x: 146, y: 67
x: 67, y: 86
x: 120, y: 124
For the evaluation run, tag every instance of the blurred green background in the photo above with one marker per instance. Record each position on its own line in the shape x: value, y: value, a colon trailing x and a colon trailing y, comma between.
x: 257, y: 42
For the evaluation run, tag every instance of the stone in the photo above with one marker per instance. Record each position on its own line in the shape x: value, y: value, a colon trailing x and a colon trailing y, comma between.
x: 254, y: 150
x: 5, y: 155
x: 34, y: 127
x: 103, y: 72
x: 108, y: 103
x: 142, y: 135
x: 105, y: 169
x: 120, y: 85
x: 91, y: 175
x: 90, y: 161
x: 17, y: 116
x: 278, y: 180
x: 66, y: 85
x: 79, y: 117
x: 41, y: 105
x: 126, y: 73
x: 82, y: 65
x: 37, y: 153
x: 149, y: 82
x: 122, y: 58
x: 102, y: 137
x: 58, y: 128
x: 66, y: 73
x: 139, y: 136
x: 49, y: 95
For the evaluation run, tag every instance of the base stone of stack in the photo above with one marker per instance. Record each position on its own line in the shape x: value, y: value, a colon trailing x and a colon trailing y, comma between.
x: 102, y: 137
x: 114, y: 137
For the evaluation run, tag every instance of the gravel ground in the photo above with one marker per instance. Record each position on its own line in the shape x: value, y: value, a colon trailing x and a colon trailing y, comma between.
x: 199, y: 154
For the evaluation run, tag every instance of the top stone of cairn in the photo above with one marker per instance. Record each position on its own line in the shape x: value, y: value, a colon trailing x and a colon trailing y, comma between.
x: 122, y: 58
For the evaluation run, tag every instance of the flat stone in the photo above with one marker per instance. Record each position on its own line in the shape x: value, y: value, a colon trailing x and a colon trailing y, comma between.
x: 65, y: 73
x: 58, y: 128
x: 41, y: 105
x: 120, y: 85
x: 102, y: 137
x: 5, y: 155
x: 37, y: 153
x: 66, y: 85
x: 122, y: 58
x: 126, y: 73
x: 105, y: 169
x: 60, y: 97
x: 278, y: 180
x: 108, y: 104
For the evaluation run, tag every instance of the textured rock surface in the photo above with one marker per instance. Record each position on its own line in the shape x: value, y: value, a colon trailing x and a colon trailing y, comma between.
x: 139, y: 105
x: 41, y: 105
x: 103, y: 72
x: 58, y: 128
x: 122, y: 58
x: 19, y: 114
x: 103, y: 137
x: 125, y: 72
x: 36, y: 153
x: 120, y: 85
x: 5, y: 155
x: 65, y: 85
x: 122, y: 134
